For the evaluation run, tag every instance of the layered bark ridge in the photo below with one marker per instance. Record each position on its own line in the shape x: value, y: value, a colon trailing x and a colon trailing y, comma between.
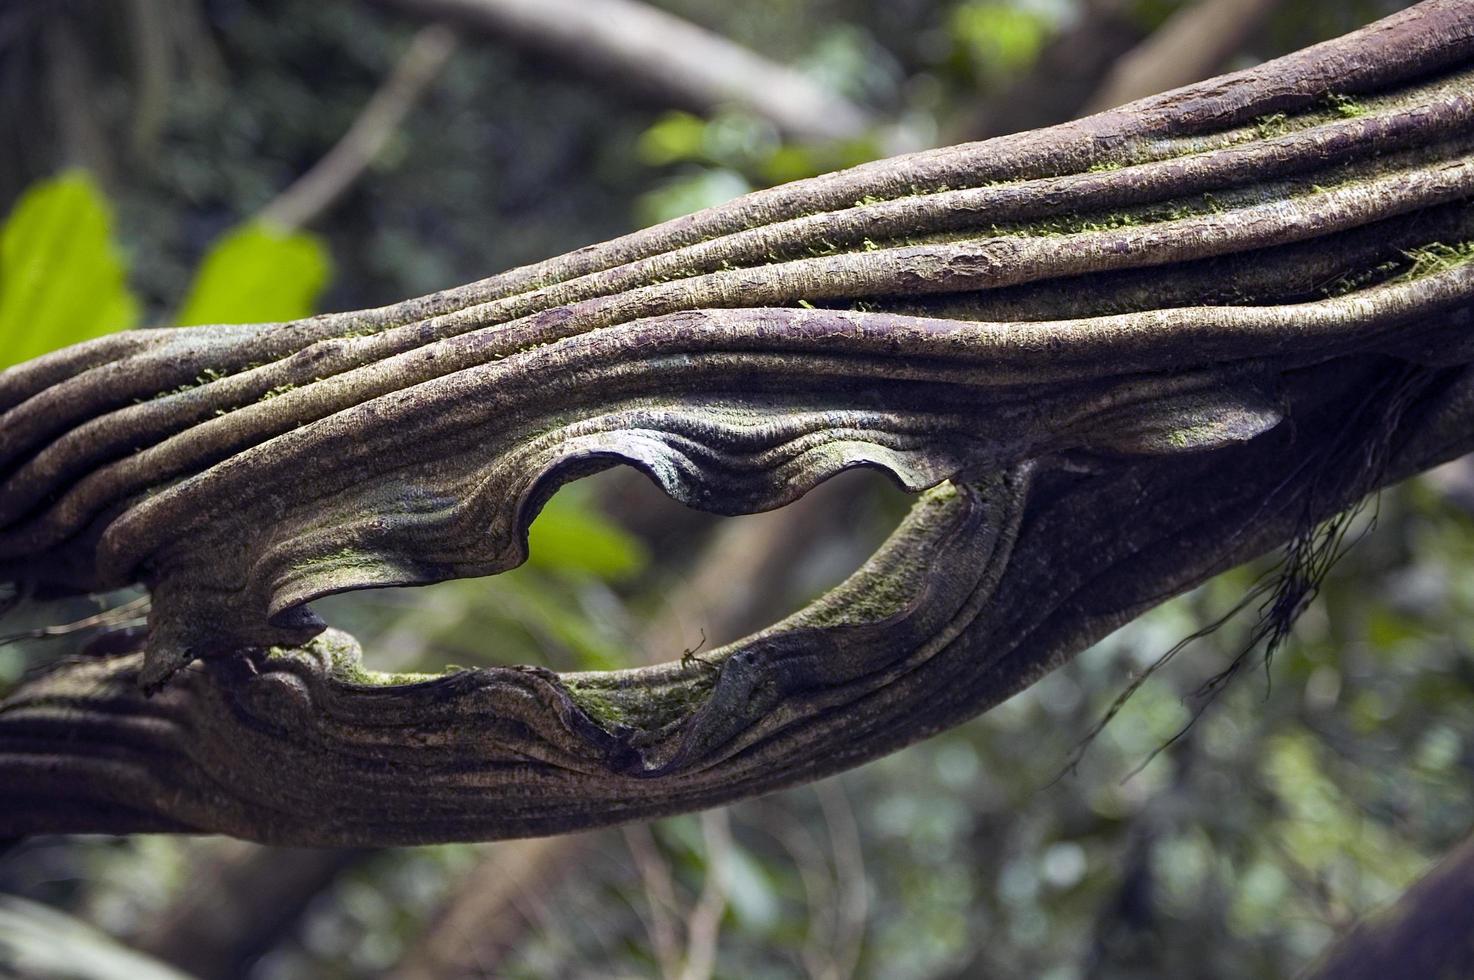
x: 1079, y: 345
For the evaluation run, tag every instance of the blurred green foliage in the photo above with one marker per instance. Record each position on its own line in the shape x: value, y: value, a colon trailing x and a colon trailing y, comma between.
x: 996, y: 41
x: 713, y: 160
x: 62, y: 277
x: 569, y: 536
x: 257, y: 274
x: 706, y: 161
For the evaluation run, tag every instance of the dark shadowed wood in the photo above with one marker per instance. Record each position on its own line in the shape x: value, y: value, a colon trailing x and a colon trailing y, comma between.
x: 1428, y: 932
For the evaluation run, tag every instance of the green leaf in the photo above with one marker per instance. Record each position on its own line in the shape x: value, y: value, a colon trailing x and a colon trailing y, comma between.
x: 256, y: 273
x: 570, y: 536
x: 61, y: 275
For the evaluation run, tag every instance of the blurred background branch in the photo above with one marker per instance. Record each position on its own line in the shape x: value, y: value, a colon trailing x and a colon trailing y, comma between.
x: 660, y: 56
x: 1192, y: 44
x: 383, y: 114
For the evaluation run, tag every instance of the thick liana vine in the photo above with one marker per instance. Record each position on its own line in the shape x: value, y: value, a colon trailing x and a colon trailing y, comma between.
x: 1112, y: 358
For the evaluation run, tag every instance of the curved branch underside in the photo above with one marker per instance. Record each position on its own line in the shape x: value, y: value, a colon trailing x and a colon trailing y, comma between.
x: 1113, y: 358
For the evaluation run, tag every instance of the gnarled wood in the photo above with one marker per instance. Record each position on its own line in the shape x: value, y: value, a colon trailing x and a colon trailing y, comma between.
x: 1080, y: 343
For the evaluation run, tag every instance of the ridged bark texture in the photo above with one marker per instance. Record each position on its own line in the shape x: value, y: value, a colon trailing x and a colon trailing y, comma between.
x: 1113, y: 357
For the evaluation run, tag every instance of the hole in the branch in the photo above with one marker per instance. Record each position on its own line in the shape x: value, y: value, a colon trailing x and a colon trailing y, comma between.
x: 620, y: 575
x: 37, y: 631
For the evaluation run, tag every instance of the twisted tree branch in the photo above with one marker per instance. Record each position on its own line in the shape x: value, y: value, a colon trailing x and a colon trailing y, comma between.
x: 1118, y: 356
